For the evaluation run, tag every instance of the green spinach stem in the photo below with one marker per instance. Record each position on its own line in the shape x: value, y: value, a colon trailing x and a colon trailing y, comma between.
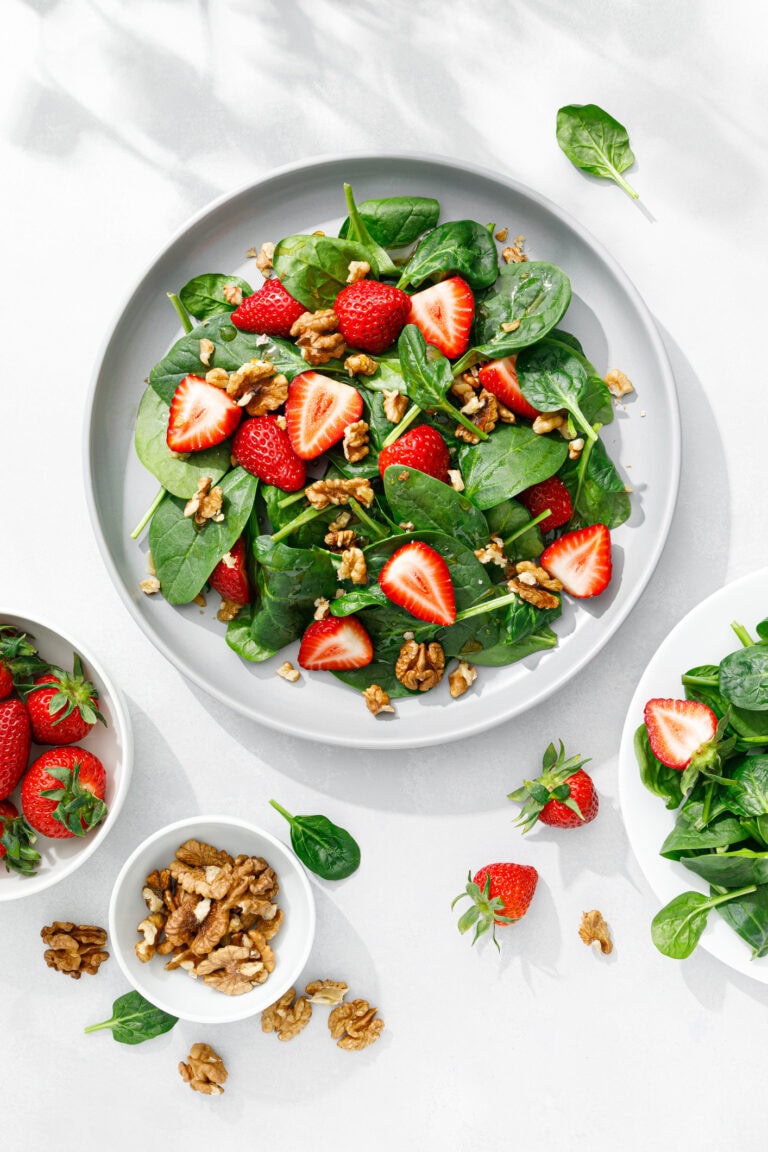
x: 488, y: 606
x: 405, y: 423
x: 292, y: 499
x: 530, y: 524
x: 298, y: 521
x: 148, y: 515
x: 742, y: 634
x: 181, y: 312
x: 375, y: 529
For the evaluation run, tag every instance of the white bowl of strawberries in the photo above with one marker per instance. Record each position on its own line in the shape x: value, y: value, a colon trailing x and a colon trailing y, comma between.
x: 66, y: 753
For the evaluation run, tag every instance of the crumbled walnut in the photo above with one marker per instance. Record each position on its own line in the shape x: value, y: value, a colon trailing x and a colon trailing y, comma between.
x: 325, y: 492
x: 181, y: 926
x: 281, y: 422
x: 219, y: 377
x: 229, y: 610
x: 74, y: 948
x: 483, y: 411
x: 257, y: 386
x: 329, y: 992
x: 151, y: 927
x: 406, y: 525
x: 395, y: 405
x: 420, y: 666
x: 233, y: 294
x: 575, y: 448
x: 492, y: 553
x: 464, y: 387
x: 288, y: 672
x: 505, y: 415
x: 618, y: 383
x: 510, y: 326
x: 594, y: 930
x: 461, y: 678
x: 534, y: 585
x: 150, y: 586
x: 200, y: 598
x: 355, y: 1025
x: 353, y: 566
x: 377, y: 700
x: 357, y: 270
x: 264, y: 258
x: 207, y: 349
x: 286, y: 1016
x: 501, y: 235
x: 548, y: 421
x: 355, y: 442
x: 212, y: 880
x: 322, y: 608
x: 340, y: 521
x: 152, y: 898
x: 204, y: 1070
x: 513, y: 255
x: 316, y: 333
x: 539, y: 574
x: 360, y: 364
x: 206, y: 503
x: 339, y: 541
x: 456, y: 479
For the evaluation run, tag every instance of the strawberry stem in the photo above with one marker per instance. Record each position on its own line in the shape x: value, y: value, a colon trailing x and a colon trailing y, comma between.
x: 405, y: 423
x: 148, y: 515
x: 181, y: 312
x: 531, y: 524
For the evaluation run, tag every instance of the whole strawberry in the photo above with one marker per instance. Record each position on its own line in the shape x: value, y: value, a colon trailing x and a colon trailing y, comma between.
x: 551, y: 496
x: 62, y: 706
x: 271, y: 311
x: 422, y: 448
x: 19, y: 661
x: 262, y: 447
x: 499, y: 894
x: 14, y: 744
x: 62, y: 794
x: 563, y: 796
x: 230, y: 576
x: 371, y: 314
x: 16, y: 840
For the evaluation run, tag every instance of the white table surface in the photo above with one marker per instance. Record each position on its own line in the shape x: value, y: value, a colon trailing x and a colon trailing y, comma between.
x: 121, y: 118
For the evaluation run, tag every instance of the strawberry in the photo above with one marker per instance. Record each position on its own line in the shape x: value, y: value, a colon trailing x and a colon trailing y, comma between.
x: 422, y: 448
x: 15, y: 739
x: 270, y: 311
x: 230, y: 576
x: 679, y: 729
x: 416, y: 578
x: 19, y: 661
x: 16, y: 840
x: 334, y: 644
x: 581, y: 560
x: 549, y: 495
x: 318, y: 410
x: 62, y: 706
x: 201, y: 415
x: 262, y: 447
x: 500, y: 378
x: 563, y: 796
x: 62, y: 794
x: 371, y: 315
x: 500, y: 894
x: 443, y: 314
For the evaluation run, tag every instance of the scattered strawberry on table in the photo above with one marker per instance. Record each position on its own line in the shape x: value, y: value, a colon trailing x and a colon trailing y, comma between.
x: 563, y: 796
x: 498, y: 894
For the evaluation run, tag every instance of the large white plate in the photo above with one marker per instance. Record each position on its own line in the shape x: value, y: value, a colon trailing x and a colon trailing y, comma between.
x: 606, y: 313
x: 704, y: 636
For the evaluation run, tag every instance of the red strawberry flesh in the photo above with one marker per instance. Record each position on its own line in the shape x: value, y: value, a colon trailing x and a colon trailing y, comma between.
x: 317, y: 411
x: 201, y: 416
x: 443, y: 314
x: 500, y: 378
x: 677, y: 729
x: 581, y: 560
x: 270, y: 311
x: 335, y: 644
x: 416, y: 578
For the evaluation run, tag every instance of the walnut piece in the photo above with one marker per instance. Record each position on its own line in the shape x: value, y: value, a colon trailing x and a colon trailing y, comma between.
x: 229, y: 610
x: 317, y: 335
x: 618, y: 383
x: 483, y: 411
x: 534, y: 584
x: 325, y: 492
x: 207, y: 349
x: 288, y: 672
x: 329, y: 992
x: 206, y: 503
x: 150, y: 586
x: 575, y: 448
x: 204, y: 1070
x: 353, y: 566
x: 360, y: 364
x: 456, y: 479
x: 594, y: 930
x: 340, y: 540
x: 377, y: 700
x: 420, y: 666
x: 514, y: 254
x: 395, y: 405
x: 461, y: 678
x: 548, y: 421
x: 501, y: 235
x: 287, y: 1017
x: 492, y: 553
x: 355, y: 1025
x: 264, y: 258
x: 322, y: 608
x: 198, y: 854
x: 233, y: 294
x: 357, y: 270
x: 74, y: 948
x: 355, y: 442
x: 232, y: 969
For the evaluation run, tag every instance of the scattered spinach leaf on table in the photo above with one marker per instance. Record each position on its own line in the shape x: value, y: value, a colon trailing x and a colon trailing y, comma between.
x: 135, y: 1020
x: 326, y: 849
x: 595, y: 142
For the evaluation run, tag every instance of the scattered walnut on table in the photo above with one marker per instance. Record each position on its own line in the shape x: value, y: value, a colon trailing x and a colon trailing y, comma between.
x: 286, y: 671
x: 377, y: 700
x: 355, y: 1025
x: 74, y: 948
x: 329, y: 992
x: 594, y: 930
x: 420, y: 666
x: 204, y: 1070
x: 287, y: 1016
x: 318, y: 337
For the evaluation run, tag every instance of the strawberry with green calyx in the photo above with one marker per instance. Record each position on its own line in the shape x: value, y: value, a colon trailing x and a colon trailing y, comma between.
x: 499, y: 894
x: 563, y: 796
x: 15, y: 739
x: 16, y: 840
x: 62, y: 794
x: 62, y: 705
x: 19, y: 661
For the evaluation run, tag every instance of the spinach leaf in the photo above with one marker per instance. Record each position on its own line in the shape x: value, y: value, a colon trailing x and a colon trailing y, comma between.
x: 203, y: 296
x: 750, y: 796
x: 748, y: 915
x: 396, y: 221
x: 357, y: 599
x: 594, y: 142
x: 532, y: 297
x: 657, y: 777
x: 744, y: 678
x: 177, y: 476
x: 686, y: 836
x: 501, y: 654
x: 241, y: 641
x: 134, y: 1020
x: 514, y: 458
x: 428, y: 503
x: 325, y: 848
x: 459, y: 247
x: 388, y: 375
x: 552, y: 376
x: 428, y: 376
x: 522, y: 619
x: 314, y: 269
x: 184, y: 556
x: 676, y: 929
x: 508, y: 520
x: 598, y: 493
x: 357, y: 231
x: 379, y: 673
x: 730, y: 869
x: 289, y: 581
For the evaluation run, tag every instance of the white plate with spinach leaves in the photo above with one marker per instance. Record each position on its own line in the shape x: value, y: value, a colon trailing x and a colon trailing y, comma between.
x: 605, y: 314
x: 695, y: 647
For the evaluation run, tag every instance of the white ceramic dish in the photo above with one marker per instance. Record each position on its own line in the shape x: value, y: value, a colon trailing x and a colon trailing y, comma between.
x: 113, y: 745
x: 704, y: 636
x: 175, y: 991
x: 606, y: 313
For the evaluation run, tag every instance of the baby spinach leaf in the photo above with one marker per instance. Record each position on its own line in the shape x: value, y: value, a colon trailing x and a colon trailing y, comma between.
x: 750, y: 796
x: 748, y: 915
x: 594, y: 142
x: 597, y: 491
x: 522, y: 619
x: 428, y: 376
x: 552, y: 376
x: 378, y: 258
x: 686, y: 837
x: 730, y: 869
x: 657, y: 777
x: 184, y: 556
x: 241, y: 641
x: 325, y: 848
x: 501, y: 654
x: 744, y: 678
x: 177, y: 476
x: 676, y: 929
x: 396, y: 221
x: 314, y: 269
x: 203, y: 296
x: 459, y: 247
x: 378, y: 672
x: 357, y: 599
x: 388, y: 375
x: 428, y: 503
x: 512, y: 459
x: 134, y: 1020
x: 508, y: 521
x: 289, y: 582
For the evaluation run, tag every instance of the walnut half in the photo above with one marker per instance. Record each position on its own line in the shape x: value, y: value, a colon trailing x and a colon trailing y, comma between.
x: 74, y: 948
x: 355, y: 1025
x: 420, y: 666
x: 287, y: 1016
x: 204, y: 1070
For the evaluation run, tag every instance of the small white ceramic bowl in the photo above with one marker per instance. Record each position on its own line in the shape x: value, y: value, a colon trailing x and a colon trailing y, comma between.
x: 112, y: 744
x: 175, y: 991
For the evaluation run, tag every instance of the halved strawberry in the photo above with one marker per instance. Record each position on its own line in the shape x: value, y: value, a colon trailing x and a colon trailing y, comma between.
x: 443, y: 314
x: 677, y: 729
x: 230, y: 576
x: 581, y: 560
x: 271, y: 311
x: 262, y: 447
x: 422, y: 448
x: 500, y: 378
x: 201, y: 415
x: 552, y: 496
x: 417, y: 578
x: 318, y: 410
x: 335, y: 644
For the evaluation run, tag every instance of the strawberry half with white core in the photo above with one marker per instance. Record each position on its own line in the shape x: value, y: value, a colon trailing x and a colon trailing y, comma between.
x: 581, y: 560
x: 678, y: 729
x: 416, y: 578
x: 500, y: 378
x: 201, y: 416
x: 444, y: 314
x: 335, y: 644
x: 318, y: 410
